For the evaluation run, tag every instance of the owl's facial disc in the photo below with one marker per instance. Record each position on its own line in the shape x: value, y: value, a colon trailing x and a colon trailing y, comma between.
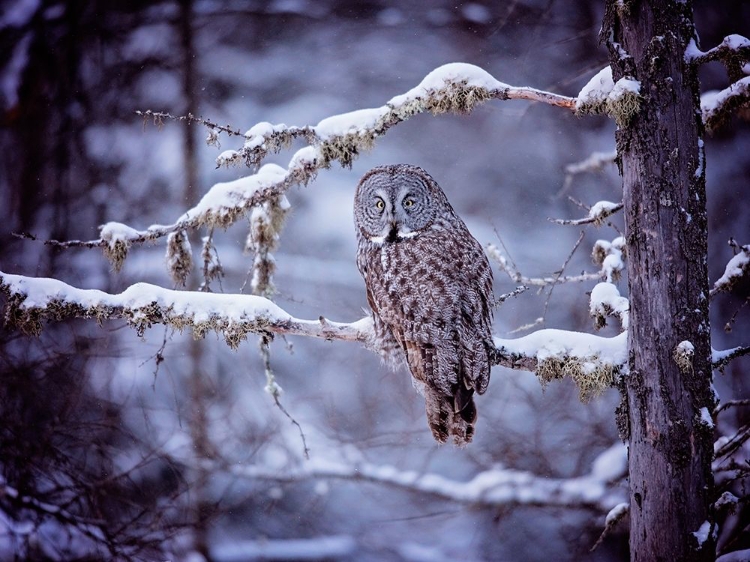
x: 397, y: 213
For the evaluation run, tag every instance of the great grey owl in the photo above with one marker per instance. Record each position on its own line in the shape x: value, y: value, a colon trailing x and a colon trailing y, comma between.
x: 429, y: 285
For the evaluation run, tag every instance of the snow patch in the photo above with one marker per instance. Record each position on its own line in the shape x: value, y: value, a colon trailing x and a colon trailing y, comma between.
x: 611, y: 464
x: 114, y: 232
x: 456, y: 72
x: 227, y: 158
x: 318, y: 548
x: 593, y: 96
x: 616, y: 513
x: 354, y: 122
x: 602, y: 209
x: 704, y: 532
x: 737, y: 267
x: 606, y: 301
x: 705, y: 418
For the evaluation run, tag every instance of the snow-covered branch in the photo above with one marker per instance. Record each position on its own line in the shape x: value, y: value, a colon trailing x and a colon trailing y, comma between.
x: 592, y: 361
x: 718, y: 106
x: 736, y: 272
x: 316, y: 548
x: 720, y: 359
x: 453, y: 87
x: 606, y: 301
x: 596, y: 215
x: 733, y: 52
x: 32, y: 301
x: 613, y: 518
x: 620, y: 100
x: 600, y: 489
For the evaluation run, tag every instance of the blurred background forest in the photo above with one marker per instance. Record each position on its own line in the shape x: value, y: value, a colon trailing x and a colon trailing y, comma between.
x: 140, y: 461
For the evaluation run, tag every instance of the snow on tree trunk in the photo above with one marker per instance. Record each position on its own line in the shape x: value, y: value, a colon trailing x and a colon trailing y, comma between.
x: 661, y: 151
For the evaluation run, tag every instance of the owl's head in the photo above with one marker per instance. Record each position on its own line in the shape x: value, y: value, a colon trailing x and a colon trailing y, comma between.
x: 396, y: 202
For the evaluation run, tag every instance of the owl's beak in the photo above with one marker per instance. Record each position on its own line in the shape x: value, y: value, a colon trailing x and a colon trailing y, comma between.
x: 392, y: 232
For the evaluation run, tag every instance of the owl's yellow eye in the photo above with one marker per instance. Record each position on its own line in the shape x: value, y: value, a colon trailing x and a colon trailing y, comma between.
x: 380, y: 204
x: 408, y: 202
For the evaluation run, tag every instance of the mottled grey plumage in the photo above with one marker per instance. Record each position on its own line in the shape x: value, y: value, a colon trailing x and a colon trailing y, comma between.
x: 429, y: 285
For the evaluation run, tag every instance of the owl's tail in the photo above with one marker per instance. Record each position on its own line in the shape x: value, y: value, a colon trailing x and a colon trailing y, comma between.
x: 451, y: 416
x: 449, y: 395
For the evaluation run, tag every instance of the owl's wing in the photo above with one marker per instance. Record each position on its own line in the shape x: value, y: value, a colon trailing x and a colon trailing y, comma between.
x: 386, y: 343
x: 475, y: 323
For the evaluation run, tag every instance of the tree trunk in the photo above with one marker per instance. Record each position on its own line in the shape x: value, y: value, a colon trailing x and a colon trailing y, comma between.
x: 661, y: 161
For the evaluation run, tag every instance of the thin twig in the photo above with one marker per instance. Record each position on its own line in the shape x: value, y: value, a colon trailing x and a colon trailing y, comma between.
x: 730, y: 404
x: 514, y: 293
x: 159, y: 116
x: 598, y: 218
x: 734, y: 443
x: 62, y: 244
x: 562, y: 270
x: 275, y: 390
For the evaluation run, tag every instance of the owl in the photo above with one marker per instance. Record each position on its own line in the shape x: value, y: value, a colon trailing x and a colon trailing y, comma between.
x: 429, y: 285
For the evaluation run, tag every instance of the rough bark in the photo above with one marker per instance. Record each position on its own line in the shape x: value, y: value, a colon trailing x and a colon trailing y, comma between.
x: 661, y: 159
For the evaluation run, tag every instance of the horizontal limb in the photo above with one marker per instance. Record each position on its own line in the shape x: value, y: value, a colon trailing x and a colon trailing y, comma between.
x: 590, y: 360
x: 495, y: 487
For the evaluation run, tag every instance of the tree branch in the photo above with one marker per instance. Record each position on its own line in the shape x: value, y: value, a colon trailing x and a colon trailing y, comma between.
x: 736, y: 272
x: 494, y: 253
x: 718, y: 106
x: 720, y: 359
x: 733, y: 51
x: 730, y: 404
x: 594, y: 162
x: 34, y: 300
x: 498, y: 487
x: 158, y: 118
x: 593, y: 362
x: 454, y: 87
x: 596, y: 216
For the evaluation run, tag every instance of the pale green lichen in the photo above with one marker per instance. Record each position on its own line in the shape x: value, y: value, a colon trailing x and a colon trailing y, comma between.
x: 624, y: 8
x: 179, y: 257
x: 683, y: 357
x: 116, y: 251
x: 591, y: 376
x: 457, y: 98
x: 600, y: 251
x: 345, y: 148
x: 30, y: 320
x: 550, y: 369
x: 623, y: 106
